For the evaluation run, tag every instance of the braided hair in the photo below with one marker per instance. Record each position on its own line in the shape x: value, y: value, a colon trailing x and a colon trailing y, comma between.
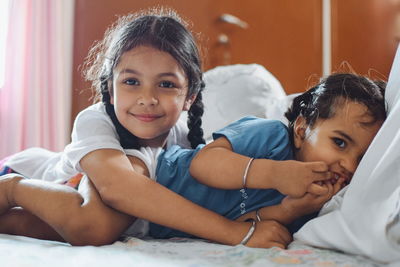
x: 322, y: 100
x: 162, y: 29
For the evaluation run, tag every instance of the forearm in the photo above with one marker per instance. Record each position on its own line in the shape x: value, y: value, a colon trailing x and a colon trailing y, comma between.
x: 222, y: 168
x: 158, y: 204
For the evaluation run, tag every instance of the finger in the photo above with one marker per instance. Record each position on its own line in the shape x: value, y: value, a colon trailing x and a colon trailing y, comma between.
x: 317, y: 189
x: 318, y: 166
x: 338, y: 185
x: 283, y: 234
x: 276, y: 244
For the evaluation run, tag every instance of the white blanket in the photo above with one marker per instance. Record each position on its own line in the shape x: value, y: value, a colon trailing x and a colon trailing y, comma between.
x: 366, y: 222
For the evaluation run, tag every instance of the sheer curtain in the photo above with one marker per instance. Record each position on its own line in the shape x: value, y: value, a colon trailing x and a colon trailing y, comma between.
x: 35, y: 100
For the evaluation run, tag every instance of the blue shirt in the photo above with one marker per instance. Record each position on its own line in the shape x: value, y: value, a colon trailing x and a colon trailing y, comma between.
x: 249, y: 136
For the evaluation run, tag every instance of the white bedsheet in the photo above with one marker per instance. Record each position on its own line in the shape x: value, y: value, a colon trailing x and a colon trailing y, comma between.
x: 18, y: 251
x: 367, y: 221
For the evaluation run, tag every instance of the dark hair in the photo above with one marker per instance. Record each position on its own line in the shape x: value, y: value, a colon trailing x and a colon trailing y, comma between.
x: 321, y: 100
x: 159, y: 28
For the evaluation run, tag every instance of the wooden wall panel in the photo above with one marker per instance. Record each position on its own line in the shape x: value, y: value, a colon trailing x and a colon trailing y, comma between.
x: 285, y: 36
x: 363, y: 34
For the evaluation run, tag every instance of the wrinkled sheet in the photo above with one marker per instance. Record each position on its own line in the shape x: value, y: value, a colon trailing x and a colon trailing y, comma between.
x: 366, y: 221
x: 23, y: 251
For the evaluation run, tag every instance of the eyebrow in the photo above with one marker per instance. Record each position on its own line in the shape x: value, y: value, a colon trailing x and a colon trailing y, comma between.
x: 163, y: 74
x: 344, y: 135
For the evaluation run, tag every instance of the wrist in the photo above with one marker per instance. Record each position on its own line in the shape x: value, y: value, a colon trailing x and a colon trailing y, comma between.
x: 261, y: 175
x: 238, y: 231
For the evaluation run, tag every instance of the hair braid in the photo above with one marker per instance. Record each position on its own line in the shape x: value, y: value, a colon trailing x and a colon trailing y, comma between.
x: 195, y: 135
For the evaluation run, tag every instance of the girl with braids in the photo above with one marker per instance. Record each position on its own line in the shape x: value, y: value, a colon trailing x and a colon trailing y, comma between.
x: 147, y: 70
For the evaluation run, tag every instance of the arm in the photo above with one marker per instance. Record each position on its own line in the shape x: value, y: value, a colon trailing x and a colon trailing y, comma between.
x: 137, y: 195
x: 225, y: 170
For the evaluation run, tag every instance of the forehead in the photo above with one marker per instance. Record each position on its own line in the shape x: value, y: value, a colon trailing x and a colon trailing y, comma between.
x: 346, y: 111
x: 354, y: 120
x: 149, y: 59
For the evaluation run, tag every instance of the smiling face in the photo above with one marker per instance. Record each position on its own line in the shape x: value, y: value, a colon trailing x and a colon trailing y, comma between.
x: 339, y: 141
x: 149, y: 92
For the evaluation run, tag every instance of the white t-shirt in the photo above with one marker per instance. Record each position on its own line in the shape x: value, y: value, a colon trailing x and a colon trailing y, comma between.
x: 93, y: 129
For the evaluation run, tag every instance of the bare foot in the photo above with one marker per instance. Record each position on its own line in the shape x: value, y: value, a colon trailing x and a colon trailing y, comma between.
x: 7, y: 183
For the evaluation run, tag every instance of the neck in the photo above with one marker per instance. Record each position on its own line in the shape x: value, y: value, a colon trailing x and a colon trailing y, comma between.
x: 159, y: 141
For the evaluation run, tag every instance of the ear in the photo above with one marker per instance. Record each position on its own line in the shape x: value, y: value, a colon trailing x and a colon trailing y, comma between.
x: 299, y: 131
x: 188, y: 102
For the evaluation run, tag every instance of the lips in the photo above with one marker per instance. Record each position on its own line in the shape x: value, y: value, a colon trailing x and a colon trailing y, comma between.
x: 146, y: 117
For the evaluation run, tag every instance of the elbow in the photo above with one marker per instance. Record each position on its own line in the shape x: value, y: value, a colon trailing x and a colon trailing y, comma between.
x: 90, y: 236
x: 88, y: 231
x: 110, y: 195
x: 195, y: 166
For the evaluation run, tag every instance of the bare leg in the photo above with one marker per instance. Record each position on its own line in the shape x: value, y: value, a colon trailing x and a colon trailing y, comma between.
x: 18, y: 221
x: 80, y: 218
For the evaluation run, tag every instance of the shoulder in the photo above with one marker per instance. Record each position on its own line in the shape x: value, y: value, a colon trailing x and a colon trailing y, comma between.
x: 93, y: 121
x: 178, y: 135
x: 253, y: 126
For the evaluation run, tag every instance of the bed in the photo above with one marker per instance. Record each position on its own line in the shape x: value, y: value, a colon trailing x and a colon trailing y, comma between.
x: 254, y: 91
x: 23, y: 251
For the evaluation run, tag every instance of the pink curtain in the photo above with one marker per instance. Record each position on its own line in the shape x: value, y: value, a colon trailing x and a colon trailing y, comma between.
x: 35, y: 99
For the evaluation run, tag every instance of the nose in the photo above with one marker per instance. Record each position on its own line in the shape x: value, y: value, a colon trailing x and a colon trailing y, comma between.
x: 349, y: 163
x: 147, y: 98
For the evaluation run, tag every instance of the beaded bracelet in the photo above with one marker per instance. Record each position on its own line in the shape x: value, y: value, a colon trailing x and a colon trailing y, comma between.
x: 246, y: 172
x: 250, y: 232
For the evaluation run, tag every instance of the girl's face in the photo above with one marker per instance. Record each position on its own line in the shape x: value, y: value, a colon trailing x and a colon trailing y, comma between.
x: 149, y: 92
x: 340, y: 141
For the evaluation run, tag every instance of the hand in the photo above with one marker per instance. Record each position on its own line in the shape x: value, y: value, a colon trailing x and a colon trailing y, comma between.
x: 270, y: 234
x: 7, y: 183
x: 295, y: 178
x: 310, y: 203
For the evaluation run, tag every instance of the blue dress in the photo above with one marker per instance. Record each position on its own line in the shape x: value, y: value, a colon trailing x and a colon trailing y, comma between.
x: 249, y: 136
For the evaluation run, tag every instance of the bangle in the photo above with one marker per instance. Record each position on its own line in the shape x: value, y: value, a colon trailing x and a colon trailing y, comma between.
x: 258, y: 216
x: 250, y: 232
x: 246, y: 172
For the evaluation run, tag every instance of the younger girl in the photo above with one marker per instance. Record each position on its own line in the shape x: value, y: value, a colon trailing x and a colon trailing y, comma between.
x: 147, y: 70
x: 334, y: 123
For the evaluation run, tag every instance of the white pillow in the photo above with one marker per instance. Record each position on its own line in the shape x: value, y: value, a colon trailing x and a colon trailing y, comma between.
x: 235, y: 91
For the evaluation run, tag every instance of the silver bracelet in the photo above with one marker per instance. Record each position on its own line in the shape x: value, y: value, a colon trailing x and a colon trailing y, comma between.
x: 246, y: 172
x: 250, y: 232
x: 258, y: 216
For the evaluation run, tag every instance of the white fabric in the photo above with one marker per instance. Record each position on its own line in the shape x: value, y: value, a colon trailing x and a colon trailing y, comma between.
x: 149, y: 155
x: 367, y: 220
x: 235, y: 91
x: 93, y: 129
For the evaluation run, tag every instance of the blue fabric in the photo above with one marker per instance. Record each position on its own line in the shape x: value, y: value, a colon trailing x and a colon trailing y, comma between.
x: 250, y: 136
